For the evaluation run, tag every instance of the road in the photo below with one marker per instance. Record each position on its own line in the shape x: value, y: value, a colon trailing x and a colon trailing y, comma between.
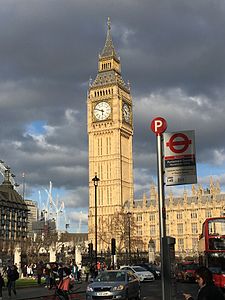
x: 149, y: 291
x: 153, y: 290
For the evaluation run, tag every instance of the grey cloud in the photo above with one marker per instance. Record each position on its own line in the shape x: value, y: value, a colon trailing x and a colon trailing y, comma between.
x: 171, y: 52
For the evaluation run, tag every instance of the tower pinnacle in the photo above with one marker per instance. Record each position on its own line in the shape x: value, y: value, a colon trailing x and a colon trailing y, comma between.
x: 109, y: 23
x: 109, y: 49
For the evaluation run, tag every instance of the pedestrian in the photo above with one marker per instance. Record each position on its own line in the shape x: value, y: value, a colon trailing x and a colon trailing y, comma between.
x: 92, y: 271
x: 47, y: 270
x: 64, y: 283
x: 39, y: 272
x: 207, y: 289
x: 2, y: 283
x: 12, y: 276
x: 24, y: 271
x: 29, y: 271
x: 87, y: 271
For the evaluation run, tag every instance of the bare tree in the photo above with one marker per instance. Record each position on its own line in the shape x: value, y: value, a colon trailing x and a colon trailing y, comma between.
x: 123, y: 228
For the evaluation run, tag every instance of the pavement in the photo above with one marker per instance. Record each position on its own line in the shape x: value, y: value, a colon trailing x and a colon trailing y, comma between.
x: 42, y: 293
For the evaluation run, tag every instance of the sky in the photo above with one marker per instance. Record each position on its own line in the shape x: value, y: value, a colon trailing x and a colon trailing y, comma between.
x: 173, y: 55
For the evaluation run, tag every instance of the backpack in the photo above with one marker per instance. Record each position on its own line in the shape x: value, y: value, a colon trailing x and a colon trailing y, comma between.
x: 17, y: 275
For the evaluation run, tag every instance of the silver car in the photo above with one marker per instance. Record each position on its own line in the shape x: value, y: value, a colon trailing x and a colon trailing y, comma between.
x: 114, y: 284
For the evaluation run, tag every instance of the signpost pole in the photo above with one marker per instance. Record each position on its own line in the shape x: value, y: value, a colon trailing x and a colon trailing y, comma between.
x: 158, y: 126
x: 162, y: 212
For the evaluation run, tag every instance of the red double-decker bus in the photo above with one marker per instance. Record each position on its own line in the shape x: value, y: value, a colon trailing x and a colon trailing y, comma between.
x: 212, y: 248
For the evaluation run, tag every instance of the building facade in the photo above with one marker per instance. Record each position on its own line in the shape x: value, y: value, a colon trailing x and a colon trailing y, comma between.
x: 32, y: 215
x: 13, y: 217
x: 184, y: 216
x: 134, y: 223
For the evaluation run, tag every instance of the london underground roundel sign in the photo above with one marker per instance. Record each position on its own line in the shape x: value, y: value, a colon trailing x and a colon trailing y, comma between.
x: 181, y: 145
x: 158, y: 125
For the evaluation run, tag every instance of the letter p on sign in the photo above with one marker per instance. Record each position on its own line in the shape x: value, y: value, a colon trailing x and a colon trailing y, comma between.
x: 158, y: 125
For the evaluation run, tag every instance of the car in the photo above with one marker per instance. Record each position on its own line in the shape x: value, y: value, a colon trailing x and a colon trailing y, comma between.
x: 185, y: 271
x: 153, y: 269
x: 114, y: 284
x: 140, y: 272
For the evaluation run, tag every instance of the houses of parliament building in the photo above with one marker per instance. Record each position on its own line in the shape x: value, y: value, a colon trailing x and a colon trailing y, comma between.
x: 119, y: 216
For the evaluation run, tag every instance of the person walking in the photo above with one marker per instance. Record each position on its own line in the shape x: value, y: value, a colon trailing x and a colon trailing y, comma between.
x: 207, y: 289
x: 2, y: 283
x: 47, y: 270
x: 39, y: 272
x: 12, y: 276
x: 87, y: 271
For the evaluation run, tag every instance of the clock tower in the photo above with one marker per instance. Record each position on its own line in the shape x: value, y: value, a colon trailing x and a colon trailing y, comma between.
x: 110, y: 132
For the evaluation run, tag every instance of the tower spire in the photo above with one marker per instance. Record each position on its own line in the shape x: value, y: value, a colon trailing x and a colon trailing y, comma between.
x: 109, y: 49
x: 109, y: 24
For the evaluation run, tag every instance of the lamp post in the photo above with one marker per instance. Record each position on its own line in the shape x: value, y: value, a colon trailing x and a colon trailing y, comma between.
x: 96, y: 180
x: 129, y: 245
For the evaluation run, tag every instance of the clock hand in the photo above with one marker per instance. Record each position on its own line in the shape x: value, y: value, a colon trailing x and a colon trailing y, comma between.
x: 99, y: 109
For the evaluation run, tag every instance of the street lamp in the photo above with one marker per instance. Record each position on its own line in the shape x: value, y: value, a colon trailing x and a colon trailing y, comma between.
x: 129, y: 245
x: 96, y: 180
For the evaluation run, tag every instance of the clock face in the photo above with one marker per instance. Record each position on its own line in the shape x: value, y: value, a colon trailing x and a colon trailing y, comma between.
x: 126, y: 113
x: 102, y: 111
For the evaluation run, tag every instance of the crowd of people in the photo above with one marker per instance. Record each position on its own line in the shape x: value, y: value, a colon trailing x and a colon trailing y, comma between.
x: 60, y: 276
x: 51, y: 275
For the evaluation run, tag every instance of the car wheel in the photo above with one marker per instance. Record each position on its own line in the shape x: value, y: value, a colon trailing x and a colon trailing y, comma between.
x: 138, y: 297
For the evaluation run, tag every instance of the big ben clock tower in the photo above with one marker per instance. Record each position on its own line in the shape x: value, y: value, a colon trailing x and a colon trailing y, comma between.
x: 110, y: 131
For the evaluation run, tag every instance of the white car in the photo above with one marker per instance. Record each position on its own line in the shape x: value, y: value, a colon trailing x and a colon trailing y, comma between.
x: 140, y: 272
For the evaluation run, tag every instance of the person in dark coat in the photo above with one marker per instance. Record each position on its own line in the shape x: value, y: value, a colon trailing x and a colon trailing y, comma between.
x: 207, y: 289
x: 39, y: 272
x: 2, y: 283
x: 12, y: 276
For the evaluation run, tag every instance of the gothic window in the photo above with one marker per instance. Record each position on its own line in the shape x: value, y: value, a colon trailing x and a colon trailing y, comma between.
x: 98, y: 147
x: 152, y: 230
x: 101, y: 198
x: 208, y: 213
x: 194, y: 215
x: 139, y: 217
x: 194, y: 244
x: 101, y: 146
x: 107, y: 145
x: 180, y: 244
x: 151, y: 217
x: 108, y: 200
x: 194, y: 228
x: 139, y: 230
x: 180, y: 230
x: 179, y: 216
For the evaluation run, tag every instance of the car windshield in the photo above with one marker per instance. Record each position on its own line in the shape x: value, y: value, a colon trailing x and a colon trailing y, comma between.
x: 110, y: 276
x: 139, y: 269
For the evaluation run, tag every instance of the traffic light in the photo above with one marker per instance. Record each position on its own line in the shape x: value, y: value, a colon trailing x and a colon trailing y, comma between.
x: 113, y: 246
x: 90, y: 249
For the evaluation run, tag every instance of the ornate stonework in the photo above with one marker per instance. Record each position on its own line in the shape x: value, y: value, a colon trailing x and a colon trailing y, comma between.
x: 185, y: 216
x: 110, y: 131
